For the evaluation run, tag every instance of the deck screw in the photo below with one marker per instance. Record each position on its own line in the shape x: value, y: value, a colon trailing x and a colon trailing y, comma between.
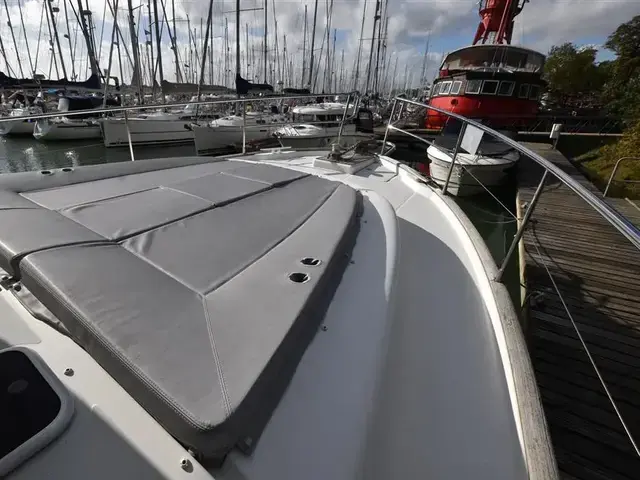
x: 69, y: 372
x: 323, y: 328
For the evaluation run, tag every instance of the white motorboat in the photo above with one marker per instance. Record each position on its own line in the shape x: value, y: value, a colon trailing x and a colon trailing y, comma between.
x: 318, y: 126
x: 227, y: 131
x: 280, y: 315
x: 488, y: 166
x: 77, y: 127
x: 20, y: 127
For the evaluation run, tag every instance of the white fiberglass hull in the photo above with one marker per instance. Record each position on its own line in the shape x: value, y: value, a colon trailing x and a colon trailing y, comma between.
x: 146, y: 131
x: 470, y: 171
x: 17, y: 127
x: 208, y: 139
x: 66, y: 130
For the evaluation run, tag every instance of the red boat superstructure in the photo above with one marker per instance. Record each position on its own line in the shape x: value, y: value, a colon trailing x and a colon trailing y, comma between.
x: 490, y: 80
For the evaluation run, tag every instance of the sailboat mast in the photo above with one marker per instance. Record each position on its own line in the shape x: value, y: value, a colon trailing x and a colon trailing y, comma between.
x: 159, y: 45
x: 55, y: 36
x: 376, y: 76
x: 237, y: 41
x: 85, y: 32
x: 341, y: 81
x: 304, y: 47
x: 35, y: 66
x: 266, y: 12
x: 53, y: 59
x: 376, y: 17
x: 204, y: 49
x: 4, y: 55
x: 424, y: 62
x: 15, y: 44
x: 327, y: 75
x: 226, y: 52
x: 275, y: 27
x: 68, y: 35
x: 26, y: 41
x: 134, y: 43
x: 174, y: 42
x: 149, y: 42
x: 114, y: 30
x: 357, y: 74
x: 313, y: 41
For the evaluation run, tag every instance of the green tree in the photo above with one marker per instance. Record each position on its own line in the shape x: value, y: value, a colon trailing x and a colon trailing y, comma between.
x: 622, y: 91
x: 574, y: 79
x: 625, y: 43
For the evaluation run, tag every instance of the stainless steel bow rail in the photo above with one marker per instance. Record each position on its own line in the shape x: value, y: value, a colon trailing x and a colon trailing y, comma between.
x: 609, y: 214
x: 615, y: 170
x: 605, y: 210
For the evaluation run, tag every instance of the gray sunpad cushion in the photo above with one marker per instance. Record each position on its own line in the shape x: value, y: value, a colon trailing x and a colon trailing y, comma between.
x: 118, y: 217
x: 198, y: 318
x: 191, y: 250
x: 28, y: 230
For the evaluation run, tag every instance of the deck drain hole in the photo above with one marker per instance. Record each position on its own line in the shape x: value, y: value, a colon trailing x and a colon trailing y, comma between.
x: 309, y: 261
x: 299, y: 277
x: 45, y: 172
x: 67, y: 169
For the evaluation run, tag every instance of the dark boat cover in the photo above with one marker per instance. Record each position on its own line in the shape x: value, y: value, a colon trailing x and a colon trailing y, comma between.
x: 171, y: 87
x: 243, y: 87
x: 92, y: 83
x: 297, y: 91
x: 183, y: 278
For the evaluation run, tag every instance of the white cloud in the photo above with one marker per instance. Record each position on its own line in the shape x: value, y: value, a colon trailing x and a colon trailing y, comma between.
x: 542, y: 24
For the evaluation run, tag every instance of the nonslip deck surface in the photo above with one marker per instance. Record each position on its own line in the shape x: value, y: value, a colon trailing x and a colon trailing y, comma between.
x: 598, y: 274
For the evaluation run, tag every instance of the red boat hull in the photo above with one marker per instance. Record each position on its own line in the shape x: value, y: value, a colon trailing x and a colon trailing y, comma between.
x: 512, y: 111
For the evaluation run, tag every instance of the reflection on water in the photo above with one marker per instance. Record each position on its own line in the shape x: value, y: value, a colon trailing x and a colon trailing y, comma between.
x: 19, y: 154
x: 495, y: 225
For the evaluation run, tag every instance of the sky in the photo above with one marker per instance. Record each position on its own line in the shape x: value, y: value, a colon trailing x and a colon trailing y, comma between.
x: 448, y: 24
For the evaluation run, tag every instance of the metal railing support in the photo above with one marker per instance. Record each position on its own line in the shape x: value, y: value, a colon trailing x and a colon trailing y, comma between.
x: 522, y: 227
x: 615, y: 170
x: 453, y: 160
x: 386, y: 131
x: 244, y: 127
x: 344, y: 118
x: 126, y: 123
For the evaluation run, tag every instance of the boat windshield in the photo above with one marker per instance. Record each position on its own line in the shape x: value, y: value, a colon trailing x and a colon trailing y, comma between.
x: 494, y: 57
x: 304, y: 118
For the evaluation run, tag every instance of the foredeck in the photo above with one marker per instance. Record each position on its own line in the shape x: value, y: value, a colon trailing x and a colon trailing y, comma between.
x: 597, y: 272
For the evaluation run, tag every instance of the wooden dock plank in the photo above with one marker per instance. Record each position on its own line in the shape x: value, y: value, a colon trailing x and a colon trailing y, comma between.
x: 598, y: 274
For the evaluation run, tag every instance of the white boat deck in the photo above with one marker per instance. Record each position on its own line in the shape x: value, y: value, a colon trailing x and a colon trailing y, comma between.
x: 410, y: 375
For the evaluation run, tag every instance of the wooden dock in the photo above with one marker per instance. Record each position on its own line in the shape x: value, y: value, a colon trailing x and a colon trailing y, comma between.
x: 598, y: 274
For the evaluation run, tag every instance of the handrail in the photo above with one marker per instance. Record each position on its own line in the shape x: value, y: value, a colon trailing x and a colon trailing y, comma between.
x: 630, y: 231
x: 615, y: 170
x: 135, y: 108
